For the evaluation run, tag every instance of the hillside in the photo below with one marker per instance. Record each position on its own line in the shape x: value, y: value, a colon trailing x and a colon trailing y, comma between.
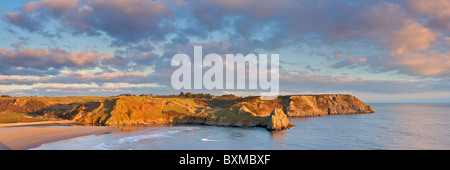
x: 145, y: 110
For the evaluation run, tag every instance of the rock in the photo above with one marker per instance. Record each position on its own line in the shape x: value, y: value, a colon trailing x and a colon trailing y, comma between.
x: 370, y: 109
x: 245, y: 111
x: 322, y: 105
x: 278, y: 121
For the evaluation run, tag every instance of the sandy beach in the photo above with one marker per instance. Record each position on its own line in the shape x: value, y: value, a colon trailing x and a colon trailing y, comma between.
x: 60, y: 122
x: 27, y: 137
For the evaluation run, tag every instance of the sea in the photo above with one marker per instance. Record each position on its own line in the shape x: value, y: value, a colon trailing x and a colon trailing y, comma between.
x: 392, y: 127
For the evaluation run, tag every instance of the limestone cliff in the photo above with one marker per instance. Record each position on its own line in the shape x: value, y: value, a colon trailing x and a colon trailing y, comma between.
x: 278, y: 121
x: 131, y: 110
x: 143, y: 110
x: 308, y: 105
x: 241, y: 117
x: 321, y: 105
x: 20, y: 105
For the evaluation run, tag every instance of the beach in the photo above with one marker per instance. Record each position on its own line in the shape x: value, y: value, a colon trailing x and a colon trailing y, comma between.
x: 23, y: 136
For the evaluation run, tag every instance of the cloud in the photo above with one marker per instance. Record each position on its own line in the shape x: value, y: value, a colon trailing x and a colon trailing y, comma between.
x: 136, y: 57
x: 22, y: 80
x: 24, y: 21
x: 21, y: 71
x: 343, y: 61
x: 303, y: 81
x: 19, y: 45
x: 412, y: 37
x: 124, y: 20
x: 43, y: 59
x: 357, y: 60
x: 253, y: 24
x: 428, y: 63
x: 81, y: 89
x: 100, y: 77
x: 91, y: 86
x: 55, y: 5
x: 437, y: 12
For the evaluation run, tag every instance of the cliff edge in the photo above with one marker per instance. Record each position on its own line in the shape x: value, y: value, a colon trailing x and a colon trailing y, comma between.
x: 278, y: 121
x: 143, y: 110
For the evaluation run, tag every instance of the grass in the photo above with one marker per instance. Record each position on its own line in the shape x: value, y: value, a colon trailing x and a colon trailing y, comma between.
x: 20, y: 117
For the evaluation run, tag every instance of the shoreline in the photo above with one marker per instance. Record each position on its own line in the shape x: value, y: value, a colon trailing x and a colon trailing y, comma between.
x: 24, y: 137
x: 51, y: 122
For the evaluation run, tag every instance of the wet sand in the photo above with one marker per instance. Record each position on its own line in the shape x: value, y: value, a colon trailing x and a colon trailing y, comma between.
x: 61, y: 122
x: 22, y: 138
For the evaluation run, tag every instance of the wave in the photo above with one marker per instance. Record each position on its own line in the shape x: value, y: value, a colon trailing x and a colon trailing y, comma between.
x: 164, y: 133
x: 49, y: 146
x: 147, y: 136
x: 208, y: 140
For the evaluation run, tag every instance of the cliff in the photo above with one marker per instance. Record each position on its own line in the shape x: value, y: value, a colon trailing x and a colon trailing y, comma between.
x: 33, y: 104
x: 278, y: 121
x: 130, y: 110
x: 142, y: 110
x: 308, y: 105
x: 321, y: 105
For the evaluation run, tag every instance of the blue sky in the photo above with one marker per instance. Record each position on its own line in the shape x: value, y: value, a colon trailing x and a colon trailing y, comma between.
x: 379, y: 51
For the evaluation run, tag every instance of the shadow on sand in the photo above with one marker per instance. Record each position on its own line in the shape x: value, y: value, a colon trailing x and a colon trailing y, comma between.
x: 4, y: 147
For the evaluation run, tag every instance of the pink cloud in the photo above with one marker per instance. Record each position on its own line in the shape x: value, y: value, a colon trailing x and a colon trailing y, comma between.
x: 437, y: 11
x: 21, y: 80
x: 56, y: 58
x: 104, y: 77
x: 446, y: 40
x: 411, y: 37
x: 305, y: 81
x: 429, y: 63
x: 435, y: 7
x: 52, y: 4
x: 357, y: 60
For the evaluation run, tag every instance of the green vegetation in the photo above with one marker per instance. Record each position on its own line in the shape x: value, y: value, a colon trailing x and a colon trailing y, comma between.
x: 184, y: 108
x: 19, y: 117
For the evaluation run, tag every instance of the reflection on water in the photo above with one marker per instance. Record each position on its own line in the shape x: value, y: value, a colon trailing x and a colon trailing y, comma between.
x: 394, y: 126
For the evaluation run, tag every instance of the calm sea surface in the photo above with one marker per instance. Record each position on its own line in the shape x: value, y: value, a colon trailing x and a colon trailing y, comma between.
x: 393, y: 126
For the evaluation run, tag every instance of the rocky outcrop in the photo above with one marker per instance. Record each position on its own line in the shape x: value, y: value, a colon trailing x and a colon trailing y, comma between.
x: 322, y: 105
x: 21, y: 105
x: 241, y: 117
x: 237, y: 117
x: 278, y: 121
x: 129, y: 110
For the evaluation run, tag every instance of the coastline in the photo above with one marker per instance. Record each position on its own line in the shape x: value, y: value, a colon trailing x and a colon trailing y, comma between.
x: 61, y: 122
x: 25, y: 137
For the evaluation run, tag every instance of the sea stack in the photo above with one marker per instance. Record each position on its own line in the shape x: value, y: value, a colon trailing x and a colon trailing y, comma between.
x: 278, y: 121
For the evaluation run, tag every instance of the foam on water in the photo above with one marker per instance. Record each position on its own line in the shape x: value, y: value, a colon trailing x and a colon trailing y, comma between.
x: 147, y: 136
x: 142, y: 136
x: 207, y: 140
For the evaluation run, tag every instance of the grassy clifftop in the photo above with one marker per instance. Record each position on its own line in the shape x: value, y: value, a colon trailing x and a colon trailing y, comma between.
x: 308, y: 105
x: 129, y: 110
x: 142, y: 110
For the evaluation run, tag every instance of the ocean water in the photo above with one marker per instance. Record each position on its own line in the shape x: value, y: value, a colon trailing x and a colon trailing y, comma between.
x: 392, y: 127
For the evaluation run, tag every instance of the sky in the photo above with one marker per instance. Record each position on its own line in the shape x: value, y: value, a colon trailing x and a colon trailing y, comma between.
x: 378, y: 50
